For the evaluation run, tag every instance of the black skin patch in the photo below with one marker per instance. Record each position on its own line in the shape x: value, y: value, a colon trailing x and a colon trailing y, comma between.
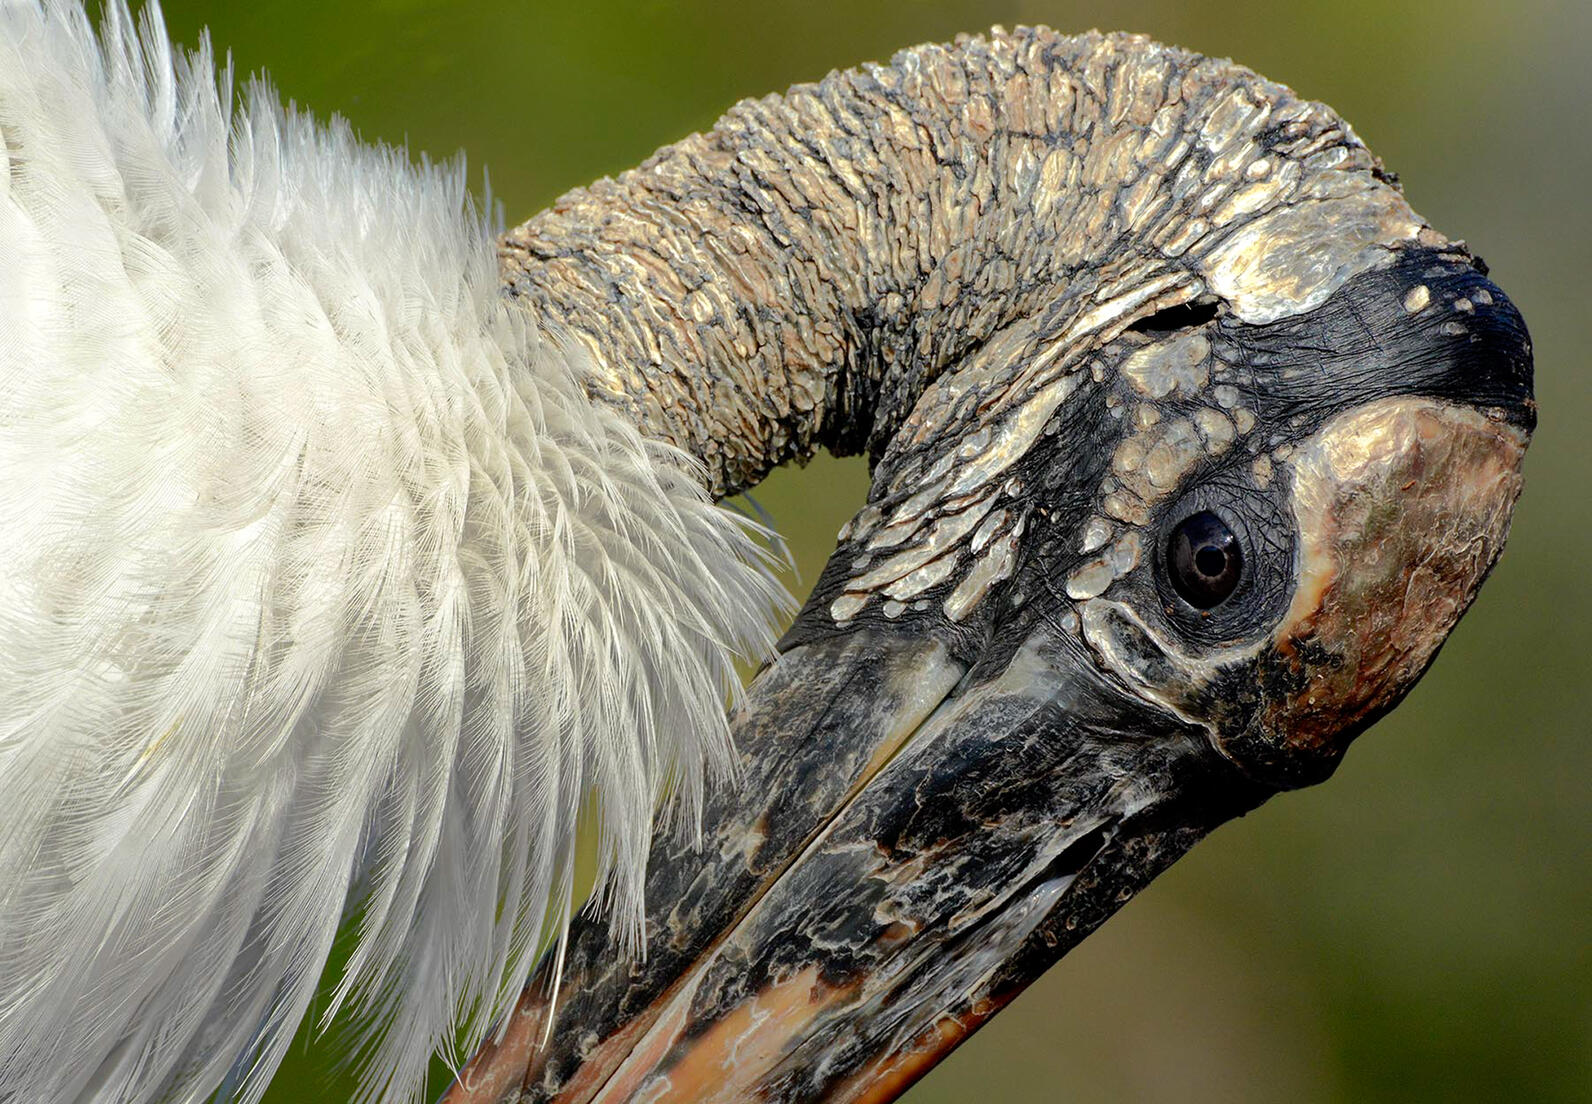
x: 1364, y: 343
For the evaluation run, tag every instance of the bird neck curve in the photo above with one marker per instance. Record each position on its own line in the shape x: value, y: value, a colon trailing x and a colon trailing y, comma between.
x: 797, y: 276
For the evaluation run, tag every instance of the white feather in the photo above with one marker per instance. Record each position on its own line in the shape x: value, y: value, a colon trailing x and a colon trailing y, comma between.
x: 324, y: 590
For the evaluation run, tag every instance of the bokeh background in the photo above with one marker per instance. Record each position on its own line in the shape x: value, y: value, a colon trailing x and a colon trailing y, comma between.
x: 1418, y: 929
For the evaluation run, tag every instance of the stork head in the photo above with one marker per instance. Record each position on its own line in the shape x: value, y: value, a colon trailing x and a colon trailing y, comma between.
x: 1038, y: 668
x: 1192, y: 443
x: 1259, y: 522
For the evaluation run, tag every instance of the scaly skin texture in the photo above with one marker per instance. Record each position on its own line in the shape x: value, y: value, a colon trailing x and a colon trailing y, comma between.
x: 1064, y: 292
x: 798, y: 275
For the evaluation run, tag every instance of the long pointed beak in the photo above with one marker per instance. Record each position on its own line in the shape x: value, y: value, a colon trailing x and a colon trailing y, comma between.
x: 905, y: 853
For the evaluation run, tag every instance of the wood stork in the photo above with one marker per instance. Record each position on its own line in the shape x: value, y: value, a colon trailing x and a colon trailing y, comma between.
x: 343, y: 558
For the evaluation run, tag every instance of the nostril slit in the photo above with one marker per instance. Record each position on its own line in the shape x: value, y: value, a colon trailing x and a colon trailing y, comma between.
x: 1181, y: 317
x: 1078, y: 854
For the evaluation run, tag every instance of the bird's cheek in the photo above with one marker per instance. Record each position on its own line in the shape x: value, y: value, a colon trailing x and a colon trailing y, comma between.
x: 1402, y: 507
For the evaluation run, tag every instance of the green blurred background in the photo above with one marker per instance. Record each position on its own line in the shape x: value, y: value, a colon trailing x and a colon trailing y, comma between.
x: 1419, y: 928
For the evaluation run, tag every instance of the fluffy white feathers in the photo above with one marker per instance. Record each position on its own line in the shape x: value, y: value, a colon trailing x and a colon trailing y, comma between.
x: 323, y: 588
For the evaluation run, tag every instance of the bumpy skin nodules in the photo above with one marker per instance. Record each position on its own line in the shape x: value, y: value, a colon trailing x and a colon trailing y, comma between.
x: 1065, y: 292
x: 795, y: 277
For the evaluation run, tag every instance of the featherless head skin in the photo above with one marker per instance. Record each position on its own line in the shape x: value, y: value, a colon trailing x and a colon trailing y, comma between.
x: 342, y: 558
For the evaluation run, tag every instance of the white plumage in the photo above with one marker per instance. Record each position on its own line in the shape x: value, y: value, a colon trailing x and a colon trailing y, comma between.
x: 324, y: 590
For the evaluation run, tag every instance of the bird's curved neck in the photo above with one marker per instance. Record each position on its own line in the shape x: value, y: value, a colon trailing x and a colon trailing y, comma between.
x: 794, y: 277
x: 799, y: 275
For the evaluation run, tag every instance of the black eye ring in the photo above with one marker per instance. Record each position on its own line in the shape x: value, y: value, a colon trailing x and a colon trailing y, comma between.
x: 1204, y: 560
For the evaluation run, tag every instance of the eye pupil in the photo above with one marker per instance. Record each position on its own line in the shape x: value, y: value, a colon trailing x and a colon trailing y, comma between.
x: 1210, y: 561
x: 1204, y: 560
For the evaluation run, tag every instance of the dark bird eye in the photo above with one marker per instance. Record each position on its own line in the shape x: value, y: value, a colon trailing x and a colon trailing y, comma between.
x: 1204, y: 559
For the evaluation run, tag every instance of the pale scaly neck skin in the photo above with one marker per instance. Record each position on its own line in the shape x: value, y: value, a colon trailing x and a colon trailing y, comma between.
x: 795, y: 277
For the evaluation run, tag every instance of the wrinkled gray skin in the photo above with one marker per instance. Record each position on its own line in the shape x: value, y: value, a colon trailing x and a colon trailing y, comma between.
x: 1065, y: 292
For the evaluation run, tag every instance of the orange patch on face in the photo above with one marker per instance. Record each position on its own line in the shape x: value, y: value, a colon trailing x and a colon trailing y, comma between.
x: 1403, y: 507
